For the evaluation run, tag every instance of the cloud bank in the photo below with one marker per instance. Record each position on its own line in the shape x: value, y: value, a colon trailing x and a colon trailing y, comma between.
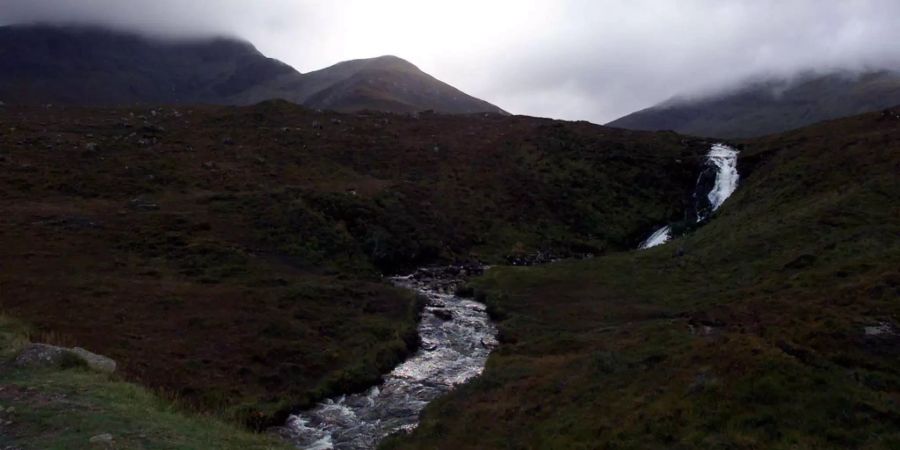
x: 575, y: 59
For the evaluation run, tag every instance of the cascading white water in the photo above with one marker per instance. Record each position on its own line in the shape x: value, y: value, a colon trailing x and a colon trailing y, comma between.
x: 727, y: 177
x: 724, y: 159
x: 659, y: 237
x: 457, y: 337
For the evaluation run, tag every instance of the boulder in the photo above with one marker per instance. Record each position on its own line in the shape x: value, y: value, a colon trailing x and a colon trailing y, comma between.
x: 43, y: 356
x: 96, y: 362
x: 51, y: 356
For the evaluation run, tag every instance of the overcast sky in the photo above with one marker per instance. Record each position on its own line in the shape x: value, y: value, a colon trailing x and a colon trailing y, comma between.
x: 575, y: 59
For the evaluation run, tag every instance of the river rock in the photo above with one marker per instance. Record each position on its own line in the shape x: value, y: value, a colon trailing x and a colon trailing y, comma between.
x: 443, y: 314
x: 429, y: 346
x: 490, y: 342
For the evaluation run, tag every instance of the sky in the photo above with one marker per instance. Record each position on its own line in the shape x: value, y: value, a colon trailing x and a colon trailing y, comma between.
x: 590, y: 60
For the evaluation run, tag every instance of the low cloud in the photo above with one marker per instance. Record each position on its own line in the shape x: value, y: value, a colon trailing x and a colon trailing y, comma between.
x: 574, y: 59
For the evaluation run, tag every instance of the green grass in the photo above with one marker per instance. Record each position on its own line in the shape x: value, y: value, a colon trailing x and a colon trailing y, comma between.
x: 749, y: 337
x: 63, y: 409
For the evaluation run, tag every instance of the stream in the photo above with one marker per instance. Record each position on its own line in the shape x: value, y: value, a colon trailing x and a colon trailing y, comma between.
x: 457, y: 336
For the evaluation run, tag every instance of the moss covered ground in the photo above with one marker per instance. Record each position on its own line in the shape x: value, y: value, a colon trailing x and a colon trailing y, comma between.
x: 775, y: 326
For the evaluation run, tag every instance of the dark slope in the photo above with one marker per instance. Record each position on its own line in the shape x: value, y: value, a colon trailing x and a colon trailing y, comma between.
x: 92, y: 66
x: 776, y: 325
x: 386, y: 83
x: 771, y: 106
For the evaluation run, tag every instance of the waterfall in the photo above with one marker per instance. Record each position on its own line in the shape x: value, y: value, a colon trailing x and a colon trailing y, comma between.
x: 721, y: 159
x: 724, y: 159
x: 659, y: 237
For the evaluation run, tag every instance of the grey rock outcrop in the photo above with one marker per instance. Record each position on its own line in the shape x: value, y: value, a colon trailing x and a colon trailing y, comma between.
x: 96, y: 362
x: 51, y: 356
x: 42, y: 356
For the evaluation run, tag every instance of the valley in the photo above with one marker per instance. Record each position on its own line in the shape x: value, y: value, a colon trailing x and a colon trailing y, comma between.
x: 231, y: 259
x: 202, y: 247
x: 266, y: 222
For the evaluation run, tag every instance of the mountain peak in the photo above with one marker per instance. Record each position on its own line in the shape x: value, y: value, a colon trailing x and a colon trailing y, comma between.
x: 384, y: 62
x: 390, y: 58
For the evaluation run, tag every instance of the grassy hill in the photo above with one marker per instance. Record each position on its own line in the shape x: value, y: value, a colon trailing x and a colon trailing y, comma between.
x: 775, y: 326
x: 231, y: 258
x: 771, y: 106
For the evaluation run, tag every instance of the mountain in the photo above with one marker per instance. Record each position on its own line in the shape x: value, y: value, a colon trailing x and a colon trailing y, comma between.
x: 386, y: 83
x: 93, y: 66
x: 771, y: 106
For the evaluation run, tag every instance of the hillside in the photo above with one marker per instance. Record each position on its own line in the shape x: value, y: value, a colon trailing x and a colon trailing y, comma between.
x: 773, y: 326
x: 75, y: 408
x: 142, y: 234
x: 771, y: 106
x: 91, y: 66
x: 45, y: 64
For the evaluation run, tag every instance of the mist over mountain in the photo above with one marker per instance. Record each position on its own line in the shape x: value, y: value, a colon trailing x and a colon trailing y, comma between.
x: 96, y: 66
x: 565, y: 59
x: 771, y: 105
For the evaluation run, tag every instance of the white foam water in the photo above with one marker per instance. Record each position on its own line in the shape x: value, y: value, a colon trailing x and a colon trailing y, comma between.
x: 727, y: 177
x: 659, y: 237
